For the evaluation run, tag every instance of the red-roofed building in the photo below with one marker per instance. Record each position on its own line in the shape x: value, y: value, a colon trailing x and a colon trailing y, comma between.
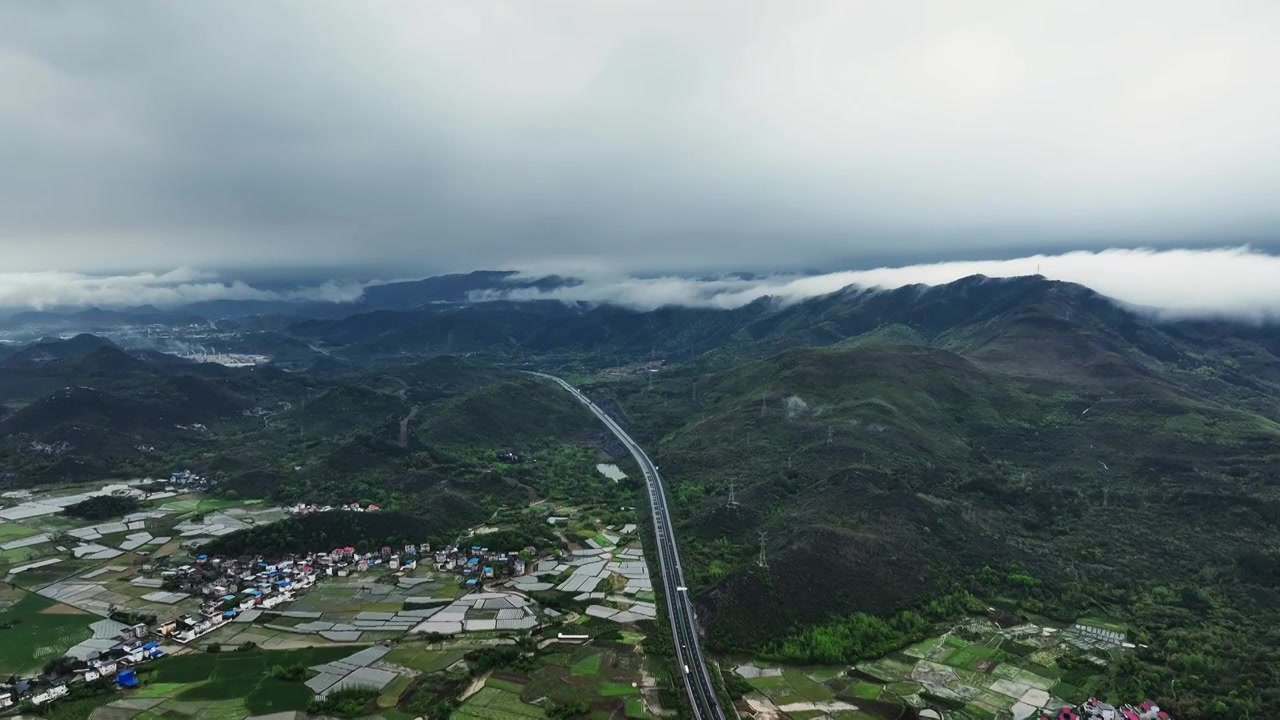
x: 1068, y: 714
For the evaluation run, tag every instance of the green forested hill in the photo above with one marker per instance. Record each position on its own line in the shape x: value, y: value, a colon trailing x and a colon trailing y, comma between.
x: 887, y: 475
x: 1028, y: 441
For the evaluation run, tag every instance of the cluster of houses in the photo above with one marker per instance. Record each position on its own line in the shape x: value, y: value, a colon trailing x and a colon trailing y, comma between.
x: 308, y: 508
x: 476, y: 563
x: 188, y: 481
x: 1095, y: 709
x: 116, y: 664
x: 235, y: 585
x: 232, y: 586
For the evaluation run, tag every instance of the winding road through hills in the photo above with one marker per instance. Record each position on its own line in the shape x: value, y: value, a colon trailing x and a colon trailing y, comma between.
x: 693, y: 667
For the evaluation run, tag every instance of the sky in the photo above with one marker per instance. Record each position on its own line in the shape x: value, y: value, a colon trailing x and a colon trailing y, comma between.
x: 386, y: 138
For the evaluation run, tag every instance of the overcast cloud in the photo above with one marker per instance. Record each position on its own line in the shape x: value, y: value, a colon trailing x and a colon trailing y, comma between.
x: 450, y: 135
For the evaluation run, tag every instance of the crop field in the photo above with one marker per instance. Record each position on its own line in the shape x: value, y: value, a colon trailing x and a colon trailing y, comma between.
x: 228, y: 665
x: 14, y: 531
x: 990, y: 673
x: 605, y: 678
x: 391, y: 694
x: 34, y: 630
x: 196, y: 504
x: 587, y: 665
x: 229, y: 685
x: 492, y: 703
x: 423, y: 659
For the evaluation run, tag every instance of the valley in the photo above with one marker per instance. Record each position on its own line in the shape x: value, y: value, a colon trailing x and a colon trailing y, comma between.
x: 847, y: 478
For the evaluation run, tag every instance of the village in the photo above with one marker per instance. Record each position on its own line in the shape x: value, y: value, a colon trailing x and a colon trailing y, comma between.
x: 157, y: 593
x: 162, y: 595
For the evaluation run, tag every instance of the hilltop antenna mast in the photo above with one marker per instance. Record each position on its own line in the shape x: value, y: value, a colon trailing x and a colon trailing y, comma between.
x: 830, y: 434
x: 762, y: 561
x: 733, y: 496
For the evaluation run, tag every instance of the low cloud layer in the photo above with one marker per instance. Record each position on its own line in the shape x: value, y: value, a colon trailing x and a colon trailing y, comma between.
x: 1236, y: 282
x: 41, y: 290
x: 1227, y: 282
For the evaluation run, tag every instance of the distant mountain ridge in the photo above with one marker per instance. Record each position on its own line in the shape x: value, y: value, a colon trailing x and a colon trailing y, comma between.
x: 404, y: 295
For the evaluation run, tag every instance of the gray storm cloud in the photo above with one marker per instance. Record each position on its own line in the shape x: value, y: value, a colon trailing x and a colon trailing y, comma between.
x: 438, y: 135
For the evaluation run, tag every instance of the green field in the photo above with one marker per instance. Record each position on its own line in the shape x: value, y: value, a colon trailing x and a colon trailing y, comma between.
x: 769, y: 682
x: 34, y: 635
x: 613, y: 689
x: 235, y: 683
x: 391, y: 694
x: 13, y: 531
x: 971, y: 657
x: 422, y: 659
x: 187, y: 669
x: 865, y: 691
x: 806, y: 687
x: 491, y: 703
x: 511, y: 687
x: 976, y: 665
x: 589, y: 665
x: 635, y: 709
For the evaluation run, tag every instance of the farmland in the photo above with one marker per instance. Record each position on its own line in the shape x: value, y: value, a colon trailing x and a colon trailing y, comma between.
x: 975, y: 671
x: 226, y: 686
x: 420, y: 658
x: 34, y: 630
x: 492, y: 703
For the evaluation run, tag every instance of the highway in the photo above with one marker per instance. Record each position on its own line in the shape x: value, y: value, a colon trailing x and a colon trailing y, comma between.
x: 692, y: 666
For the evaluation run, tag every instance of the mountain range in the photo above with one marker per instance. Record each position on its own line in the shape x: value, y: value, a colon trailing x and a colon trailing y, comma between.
x: 1028, y: 440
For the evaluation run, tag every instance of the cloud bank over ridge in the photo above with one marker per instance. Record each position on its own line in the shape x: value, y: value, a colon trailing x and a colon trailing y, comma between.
x: 1228, y: 282
x: 1237, y: 282
x: 41, y: 290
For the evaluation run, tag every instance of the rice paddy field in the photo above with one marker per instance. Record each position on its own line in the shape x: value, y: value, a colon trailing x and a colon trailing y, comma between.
x: 988, y: 672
